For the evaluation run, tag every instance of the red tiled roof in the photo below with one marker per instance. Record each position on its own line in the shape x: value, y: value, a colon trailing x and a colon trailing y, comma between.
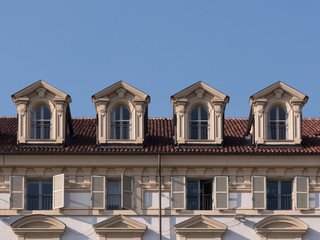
x: 159, y: 139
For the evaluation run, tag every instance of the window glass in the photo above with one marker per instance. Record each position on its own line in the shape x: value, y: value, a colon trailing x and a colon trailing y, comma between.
x: 199, y: 123
x: 282, y: 114
x: 273, y: 114
x: 121, y: 123
x: 113, y: 195
x: 279, y: 195
x: 199, y: 195
x: 277, y: 123
x: 204, y: 114
x: 41, y: 123
x: 39, y: 195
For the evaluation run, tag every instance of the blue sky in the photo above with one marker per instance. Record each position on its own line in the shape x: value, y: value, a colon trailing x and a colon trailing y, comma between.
x: 160, y: 47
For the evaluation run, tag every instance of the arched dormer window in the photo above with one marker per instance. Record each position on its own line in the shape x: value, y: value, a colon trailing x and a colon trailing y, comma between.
x: 199, y: 123
x: 120, y: 124
x: 41, y: 122
x: 277, y: 123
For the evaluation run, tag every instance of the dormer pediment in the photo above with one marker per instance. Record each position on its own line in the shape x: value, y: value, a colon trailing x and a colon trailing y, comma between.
x: 199, y: 113
x: 276, y: 113
x: 122, y: 111
x: 120, y: 90
x: 41, y: 89
x: 199, y: 90
x: 279, y: 90
x: 42, y: 114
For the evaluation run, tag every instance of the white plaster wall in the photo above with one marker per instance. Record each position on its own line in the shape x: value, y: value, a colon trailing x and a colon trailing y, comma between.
x: 80, y: 227
x: 240, y: 200
x: 151, y: 199
x: 4, y: 200
x: 314, y: 200
x: 77, y: 200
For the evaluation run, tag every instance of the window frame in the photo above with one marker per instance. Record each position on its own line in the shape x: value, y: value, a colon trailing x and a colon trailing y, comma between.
x: 279, y: 194
x: 199, y: 123
x: 277, y: 122
x: 114, y: 123
x: 200, y: 194
x: 40, y: 194
x: 35, y: 122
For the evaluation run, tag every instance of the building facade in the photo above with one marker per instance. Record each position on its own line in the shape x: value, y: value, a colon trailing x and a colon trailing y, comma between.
x: 100, y: 178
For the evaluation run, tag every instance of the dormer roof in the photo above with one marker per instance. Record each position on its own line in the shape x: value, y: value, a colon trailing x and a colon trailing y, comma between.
x: 279, y: 88
x: 218, y: 96
x: 41, y: 87
x: 105, y: 93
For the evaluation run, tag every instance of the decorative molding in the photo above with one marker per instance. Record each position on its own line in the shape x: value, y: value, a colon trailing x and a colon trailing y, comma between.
x: 120, y: 225
x: 200, y: 227
x: 281, y: 226
x: 38, y: 227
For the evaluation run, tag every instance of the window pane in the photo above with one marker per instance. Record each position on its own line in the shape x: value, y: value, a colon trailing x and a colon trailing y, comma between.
x: 46, y: 187
x: 33, y: 187
x: 194, y: 114
x: 192, y: 195
x: 113, y: 195
x: 38, y: 113
x: 273, y: 114
x: 204, y: 114
x: 282, y: 114
x: 126, y: 114
x: 47, y: 114
x: 286, y: 187
x: 194, y: 131
x: 116, y: 114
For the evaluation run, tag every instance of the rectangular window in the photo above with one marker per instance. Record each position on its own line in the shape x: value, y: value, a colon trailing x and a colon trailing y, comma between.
x: 279, y: 195
x: 199, y: 195
x: 39, y: 195
x: 113, y: 195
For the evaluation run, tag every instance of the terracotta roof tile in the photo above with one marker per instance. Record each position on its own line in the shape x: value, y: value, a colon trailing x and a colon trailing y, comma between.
x: 160, y: 139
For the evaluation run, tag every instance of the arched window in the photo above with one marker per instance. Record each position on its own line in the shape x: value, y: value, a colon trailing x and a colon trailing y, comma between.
x: 199, y: 123
x: 277, y: 123
x: 120, y: 123
x: 41, y: 123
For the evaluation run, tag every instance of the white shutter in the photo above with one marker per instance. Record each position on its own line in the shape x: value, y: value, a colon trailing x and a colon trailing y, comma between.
x: 301, y: 193
x: 17, y: 192
x: 178, y: 192
x: 221, y: 192
x: 126, y: 192
x: 258, y: 185
x: 98, y: 192
x: 58, y: 191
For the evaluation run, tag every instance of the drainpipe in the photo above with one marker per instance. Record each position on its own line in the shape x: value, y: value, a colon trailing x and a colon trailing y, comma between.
x: 160, y: 207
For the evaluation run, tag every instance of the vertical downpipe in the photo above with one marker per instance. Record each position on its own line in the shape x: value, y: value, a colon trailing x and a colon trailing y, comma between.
x: 160, y: 193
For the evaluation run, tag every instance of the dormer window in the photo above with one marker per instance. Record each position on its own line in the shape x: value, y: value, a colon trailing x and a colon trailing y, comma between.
x: 199, y: 115
x: 43, y: 114
x: 121, y: 123
x: 199, y: 123
x: 122, y: 114
x: 276, y: 116
x: 277, y: 123
x: 41, y: 122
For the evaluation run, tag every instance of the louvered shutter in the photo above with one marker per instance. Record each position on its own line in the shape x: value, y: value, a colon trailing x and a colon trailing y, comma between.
x: 178, y: 192
x: 17, y: 192
x: 301, y: 193
x: 126, y: 192
x: 98, y: 192
x: 58, y: 191
x: 259, y: 192
x: 221, y: 192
